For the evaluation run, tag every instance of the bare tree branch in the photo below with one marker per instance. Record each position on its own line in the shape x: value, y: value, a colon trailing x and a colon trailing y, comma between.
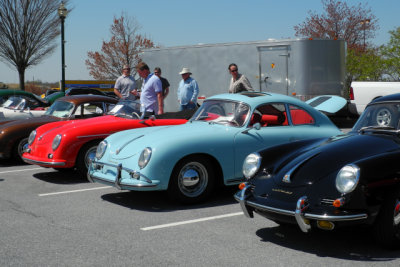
x: 28, y: 29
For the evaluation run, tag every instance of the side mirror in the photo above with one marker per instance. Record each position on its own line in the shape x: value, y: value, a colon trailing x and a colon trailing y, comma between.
x: 256, y: 126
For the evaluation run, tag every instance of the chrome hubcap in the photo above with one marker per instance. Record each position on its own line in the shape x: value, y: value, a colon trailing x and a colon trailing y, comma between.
x: 193, y: 179
x: 89, y: 156
x: 383, y: 117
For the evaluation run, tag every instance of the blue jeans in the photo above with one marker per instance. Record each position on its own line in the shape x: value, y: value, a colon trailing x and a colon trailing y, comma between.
x: 187, y: 106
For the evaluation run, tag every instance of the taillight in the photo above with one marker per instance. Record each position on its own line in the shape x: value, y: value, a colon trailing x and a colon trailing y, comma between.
x: 351, y: 95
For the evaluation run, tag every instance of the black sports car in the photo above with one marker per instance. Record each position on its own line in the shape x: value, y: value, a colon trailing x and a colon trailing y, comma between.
x: 349, y: 179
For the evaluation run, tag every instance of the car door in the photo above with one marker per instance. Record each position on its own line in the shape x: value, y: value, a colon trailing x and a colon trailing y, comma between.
x: 277, y: 127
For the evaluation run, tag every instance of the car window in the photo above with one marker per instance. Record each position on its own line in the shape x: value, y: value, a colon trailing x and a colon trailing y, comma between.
x: 91, y: 109
x: 231, y: 113
x: 273, y: 114
x: 379, y: 115
x: 300, y: 116
x: 61, y: 109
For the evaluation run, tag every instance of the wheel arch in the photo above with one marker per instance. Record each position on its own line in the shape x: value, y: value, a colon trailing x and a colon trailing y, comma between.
x: 219, y: 177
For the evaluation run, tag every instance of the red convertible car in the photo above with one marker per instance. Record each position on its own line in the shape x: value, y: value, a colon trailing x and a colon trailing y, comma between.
x: 70, y: 145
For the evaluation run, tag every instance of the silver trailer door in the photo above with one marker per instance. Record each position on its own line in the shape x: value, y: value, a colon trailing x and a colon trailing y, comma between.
x: 274, y: 72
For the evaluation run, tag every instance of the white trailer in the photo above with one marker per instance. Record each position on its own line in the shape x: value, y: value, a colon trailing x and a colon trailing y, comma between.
x: 304, y: 68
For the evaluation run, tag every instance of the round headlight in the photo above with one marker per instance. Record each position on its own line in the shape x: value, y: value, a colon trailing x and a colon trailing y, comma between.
x: 101, y: 149
x: 56, y: 142
x: 347, y: 178
x: 144, y: 157
x: 251, y: 165
x: 32, y: 137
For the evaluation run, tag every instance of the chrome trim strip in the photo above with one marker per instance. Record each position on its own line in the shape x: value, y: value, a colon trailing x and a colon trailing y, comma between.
x: 127, y: 143
x: 94, y: 135
x: 37, y: 162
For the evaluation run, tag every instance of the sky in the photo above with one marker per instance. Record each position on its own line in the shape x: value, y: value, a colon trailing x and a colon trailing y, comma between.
x: 178, y: 22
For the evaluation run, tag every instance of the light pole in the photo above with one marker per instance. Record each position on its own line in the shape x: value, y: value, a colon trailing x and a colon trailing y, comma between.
x: 62, y: 13
x: 364, y: 23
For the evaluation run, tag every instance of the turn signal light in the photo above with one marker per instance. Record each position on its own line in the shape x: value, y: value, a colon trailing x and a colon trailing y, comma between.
x: 338, y: 202
x: 242, y: 185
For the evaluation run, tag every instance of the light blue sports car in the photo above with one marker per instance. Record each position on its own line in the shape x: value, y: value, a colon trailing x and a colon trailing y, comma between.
x: 191, y: 159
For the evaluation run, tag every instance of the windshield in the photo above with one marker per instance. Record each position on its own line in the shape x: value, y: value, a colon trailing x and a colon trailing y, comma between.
x: 14, y: 102
x: 382, y: 115
x: 60, y: 109
x: 126, y: 108
x: 224, y: 112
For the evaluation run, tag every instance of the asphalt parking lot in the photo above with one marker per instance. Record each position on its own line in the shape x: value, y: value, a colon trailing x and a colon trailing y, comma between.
x: 50, y: 218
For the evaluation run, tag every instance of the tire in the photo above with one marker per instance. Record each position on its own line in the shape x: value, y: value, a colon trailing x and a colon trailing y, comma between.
x: 18, y: 149
x: 85, y: 153
x: 387, y: 224
x: 384, y: 117
x: 199, y: 187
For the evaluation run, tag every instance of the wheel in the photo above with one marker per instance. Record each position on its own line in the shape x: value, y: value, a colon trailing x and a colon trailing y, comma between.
x: 384, y: 117
x: 19, y: 149
x: 86, y: 153
x: 192, y: 180
x: 387, y: 225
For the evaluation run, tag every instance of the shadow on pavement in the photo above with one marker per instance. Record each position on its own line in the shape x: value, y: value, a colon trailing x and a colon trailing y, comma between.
x: 61, y: 177
x: 158, y: 201
x: 347, y: 243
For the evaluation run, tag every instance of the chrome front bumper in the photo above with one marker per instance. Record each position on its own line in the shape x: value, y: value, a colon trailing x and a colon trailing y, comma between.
x: 300, y: 213
x: 97, y: 166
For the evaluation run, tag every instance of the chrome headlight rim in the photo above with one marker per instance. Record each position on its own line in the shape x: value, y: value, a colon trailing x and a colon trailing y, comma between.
x: 251, y: 165
x: 347, y: 178
x: 56, y: 142
x: 101, y: 149
x: 31, y: 137
x: 144, y: 157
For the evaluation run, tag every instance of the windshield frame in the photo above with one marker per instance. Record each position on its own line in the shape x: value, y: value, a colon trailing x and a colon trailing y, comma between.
x: 235, y: 118
x: 381, y: 116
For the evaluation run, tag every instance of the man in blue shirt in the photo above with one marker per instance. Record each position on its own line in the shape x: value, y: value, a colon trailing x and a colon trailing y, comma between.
x: 151, y: 98
x: 187, y: 91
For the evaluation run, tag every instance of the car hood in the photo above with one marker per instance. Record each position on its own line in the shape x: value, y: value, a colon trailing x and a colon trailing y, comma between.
x: 28, y: 122
x: 330, y: 156
x: 128, y: 143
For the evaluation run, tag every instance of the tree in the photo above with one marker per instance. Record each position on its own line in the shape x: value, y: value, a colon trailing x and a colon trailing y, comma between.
x: 391, y: 54
x: 28, y: 29
x: 366, y: 65
x: 123, y: 49
x: 355, y: 24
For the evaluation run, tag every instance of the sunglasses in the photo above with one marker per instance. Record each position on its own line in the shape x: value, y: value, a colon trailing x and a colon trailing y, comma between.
x: 234, y: 70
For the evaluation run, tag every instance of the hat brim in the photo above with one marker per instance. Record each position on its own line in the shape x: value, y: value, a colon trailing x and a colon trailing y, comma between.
x: 184, y: 73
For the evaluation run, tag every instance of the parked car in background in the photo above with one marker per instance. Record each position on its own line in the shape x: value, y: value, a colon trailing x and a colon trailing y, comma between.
x: 18, y: 104
x: 189, y: 160
x: 67, y: 145
x: 350, y: 179
x: 363, y: 92
x: 14, y: 134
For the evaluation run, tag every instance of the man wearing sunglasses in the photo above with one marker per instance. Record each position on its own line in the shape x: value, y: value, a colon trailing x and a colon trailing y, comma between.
x: 239, y: 82
x: 125, y: 84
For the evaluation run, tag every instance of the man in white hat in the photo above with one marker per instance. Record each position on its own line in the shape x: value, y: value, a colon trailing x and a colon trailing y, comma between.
x: 125, y: 84
x: 187, y: 91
